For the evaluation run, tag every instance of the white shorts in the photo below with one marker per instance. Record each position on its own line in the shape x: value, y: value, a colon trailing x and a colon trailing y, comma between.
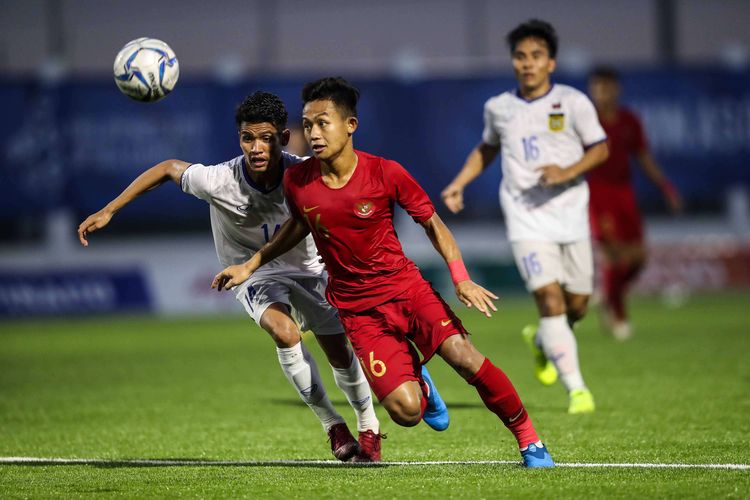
x: 543, y: 262
x: 305, y: 298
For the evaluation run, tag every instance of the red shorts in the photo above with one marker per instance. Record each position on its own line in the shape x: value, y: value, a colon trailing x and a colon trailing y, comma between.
x: 385, y: 336
x: 614, y: 215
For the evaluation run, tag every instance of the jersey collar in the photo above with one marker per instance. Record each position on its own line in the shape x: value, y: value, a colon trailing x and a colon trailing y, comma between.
x: 517, y: 93
x: 253, y: 185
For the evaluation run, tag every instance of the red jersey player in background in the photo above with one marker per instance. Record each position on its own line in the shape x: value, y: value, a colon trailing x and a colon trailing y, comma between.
x: 346, y: 199
x: 615, y: 219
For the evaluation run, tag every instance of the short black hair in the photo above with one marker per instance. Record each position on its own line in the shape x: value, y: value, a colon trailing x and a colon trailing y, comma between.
x: 261, y: 107
x: 335, y: 89
x: 534, y: 28
x: 605, y: 73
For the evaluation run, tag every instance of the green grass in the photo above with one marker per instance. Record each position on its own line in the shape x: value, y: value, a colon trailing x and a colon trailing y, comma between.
x: 210, y: 389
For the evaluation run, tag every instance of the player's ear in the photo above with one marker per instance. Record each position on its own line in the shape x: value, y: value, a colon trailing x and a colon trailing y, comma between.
x: 285, y: 135
x: 351, y: 124
x: 552, y: 65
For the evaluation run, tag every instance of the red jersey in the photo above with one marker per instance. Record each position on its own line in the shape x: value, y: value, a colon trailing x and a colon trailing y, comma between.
x: 625, y: 138
x: 353, y: 227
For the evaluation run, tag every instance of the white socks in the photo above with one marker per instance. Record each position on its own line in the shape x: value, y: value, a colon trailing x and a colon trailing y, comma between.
x: 353, y: 383
x: 559, y: 345
x: 302, y: 372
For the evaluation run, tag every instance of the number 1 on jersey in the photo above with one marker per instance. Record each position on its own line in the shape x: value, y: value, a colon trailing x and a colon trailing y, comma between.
x: 530, y: 149
x: 265, y: 231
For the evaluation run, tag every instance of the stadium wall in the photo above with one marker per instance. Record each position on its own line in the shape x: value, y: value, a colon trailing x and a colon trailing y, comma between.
x: 172, y: 275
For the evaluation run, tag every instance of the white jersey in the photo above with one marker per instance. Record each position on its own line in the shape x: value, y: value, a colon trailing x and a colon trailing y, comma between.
x: 552, y: 129
x: 244, y: 217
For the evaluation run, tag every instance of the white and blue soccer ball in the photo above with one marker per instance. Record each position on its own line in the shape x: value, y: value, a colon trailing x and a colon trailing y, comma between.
x: 146, y: 69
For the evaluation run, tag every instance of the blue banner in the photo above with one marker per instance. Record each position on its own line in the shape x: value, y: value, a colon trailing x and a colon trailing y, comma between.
x: 79, y: 144
x: 83, y: 291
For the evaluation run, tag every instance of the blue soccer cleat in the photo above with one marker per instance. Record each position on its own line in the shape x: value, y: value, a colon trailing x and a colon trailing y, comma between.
x: 537, y: 456
x: 436, y: 413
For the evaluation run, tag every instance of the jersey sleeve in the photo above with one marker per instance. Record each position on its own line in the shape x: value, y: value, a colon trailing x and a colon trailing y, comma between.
x: 409, y: 194
x: 490, y: 135
x: 198, y: 180
x: 586, y: 122
x: 287, y: 184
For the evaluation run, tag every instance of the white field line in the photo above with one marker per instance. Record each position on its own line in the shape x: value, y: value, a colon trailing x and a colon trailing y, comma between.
x: 333, y: 463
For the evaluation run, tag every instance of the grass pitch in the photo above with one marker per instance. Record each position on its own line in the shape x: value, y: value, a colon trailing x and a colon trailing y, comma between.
x: 136, y: 388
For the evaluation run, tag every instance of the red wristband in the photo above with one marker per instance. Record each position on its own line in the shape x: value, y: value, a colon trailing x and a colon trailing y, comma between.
x: 458, y: 271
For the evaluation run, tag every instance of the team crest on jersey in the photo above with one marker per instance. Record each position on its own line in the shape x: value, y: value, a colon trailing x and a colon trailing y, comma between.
x: 364, y: 208
x: 556, y: 121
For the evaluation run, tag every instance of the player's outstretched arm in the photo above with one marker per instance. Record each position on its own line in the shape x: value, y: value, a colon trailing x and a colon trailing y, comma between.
x: 286, y: 238
x: 150, y: 179
x: 467, y: 291
x: 654, y: 173
x: 553, y: 175
x: 477, y: 161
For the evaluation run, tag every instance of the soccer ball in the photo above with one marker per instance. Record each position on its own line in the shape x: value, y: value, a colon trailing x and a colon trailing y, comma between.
x: 146, y: 69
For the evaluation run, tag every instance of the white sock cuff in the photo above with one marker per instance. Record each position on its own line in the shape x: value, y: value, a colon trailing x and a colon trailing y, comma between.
x: 553, y: 321
x: 290, y: 355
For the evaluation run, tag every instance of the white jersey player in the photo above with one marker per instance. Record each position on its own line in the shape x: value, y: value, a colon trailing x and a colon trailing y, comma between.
x: 247, y: 206
x: 549, y: 136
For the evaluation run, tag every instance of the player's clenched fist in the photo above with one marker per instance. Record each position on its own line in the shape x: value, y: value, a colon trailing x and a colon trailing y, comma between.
x: 474, y: 295
x: 231, y: 277
x: 552, y: 175
x: 453, y: 197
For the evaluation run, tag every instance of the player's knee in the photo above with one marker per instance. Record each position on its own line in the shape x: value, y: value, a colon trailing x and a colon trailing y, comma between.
x: 284, y: 336
x: 461, y: 355
x: 550, y: 300
x: 406, y: 415
x: 551, y: 305
x: 404, y: 405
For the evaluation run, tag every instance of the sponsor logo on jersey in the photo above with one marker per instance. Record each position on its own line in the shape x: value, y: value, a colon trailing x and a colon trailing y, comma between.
x: 556, y: 105
x: 446, y: 322
x: 244, y: 208
x: 307, y: 210
x: 556, y: 121
x: 364, y: 208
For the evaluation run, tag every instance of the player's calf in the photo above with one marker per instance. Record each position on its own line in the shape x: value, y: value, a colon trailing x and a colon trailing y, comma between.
x: 576, y: 307
x: 337, y: 349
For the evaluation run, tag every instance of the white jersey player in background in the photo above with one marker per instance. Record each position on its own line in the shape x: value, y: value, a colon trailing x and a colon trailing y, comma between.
x: 247, y: 206
x: 549, y: 136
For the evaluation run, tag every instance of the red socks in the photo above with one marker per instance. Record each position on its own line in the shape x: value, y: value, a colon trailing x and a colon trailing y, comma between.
x: 617, y: 278
x: 500, y: 397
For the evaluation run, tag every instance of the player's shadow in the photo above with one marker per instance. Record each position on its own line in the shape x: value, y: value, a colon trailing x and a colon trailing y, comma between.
x: 300, y: 403
x: 462, y: 405
x: 192, y: 462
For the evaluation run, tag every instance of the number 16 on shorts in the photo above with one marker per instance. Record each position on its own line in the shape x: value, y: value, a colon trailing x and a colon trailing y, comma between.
x: 531, y: 265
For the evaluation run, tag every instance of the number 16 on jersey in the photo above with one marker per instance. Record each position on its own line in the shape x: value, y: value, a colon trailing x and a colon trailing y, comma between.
x: 530, y: 148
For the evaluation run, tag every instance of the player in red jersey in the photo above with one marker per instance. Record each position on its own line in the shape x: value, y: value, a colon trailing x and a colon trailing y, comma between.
x: 346, y: 199
x: 615, y: 218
